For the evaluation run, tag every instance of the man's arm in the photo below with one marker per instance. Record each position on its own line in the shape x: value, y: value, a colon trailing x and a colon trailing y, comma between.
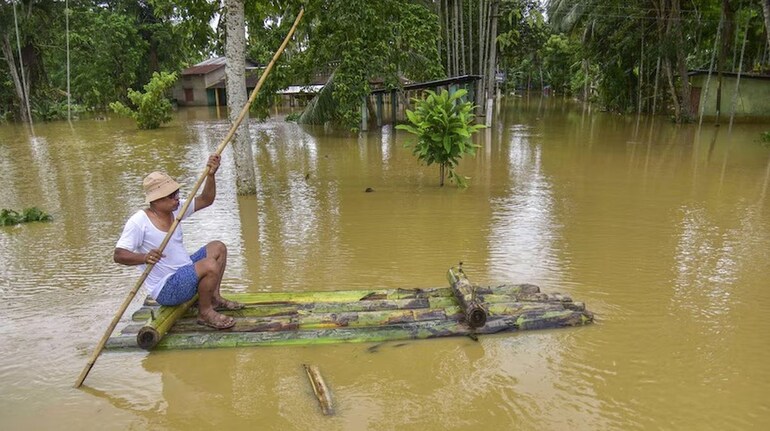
x: 209, y: 192
x: 127, y: 257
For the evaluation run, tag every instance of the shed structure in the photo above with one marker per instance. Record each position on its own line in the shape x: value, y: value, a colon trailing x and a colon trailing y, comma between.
x: 751, y: 101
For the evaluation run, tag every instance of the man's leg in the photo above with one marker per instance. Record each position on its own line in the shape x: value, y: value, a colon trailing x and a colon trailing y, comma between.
x: 209, y: 274
x: 217, y: 250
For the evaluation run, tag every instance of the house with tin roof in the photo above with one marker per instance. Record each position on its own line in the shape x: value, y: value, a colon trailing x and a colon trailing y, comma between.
x: 203, y: 83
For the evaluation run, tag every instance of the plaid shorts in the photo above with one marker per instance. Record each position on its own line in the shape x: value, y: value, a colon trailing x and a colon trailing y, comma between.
x: 183, y: 284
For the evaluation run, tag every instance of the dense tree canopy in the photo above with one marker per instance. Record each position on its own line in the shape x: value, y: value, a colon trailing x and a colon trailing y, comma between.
x: 627, y: 56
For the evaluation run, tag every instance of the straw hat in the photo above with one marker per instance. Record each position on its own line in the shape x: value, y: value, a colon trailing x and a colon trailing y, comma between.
x: 158, y: 185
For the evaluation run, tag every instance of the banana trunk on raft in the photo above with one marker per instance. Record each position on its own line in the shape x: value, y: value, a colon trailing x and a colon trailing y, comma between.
x: 475, y: 314
x: 151, y: 333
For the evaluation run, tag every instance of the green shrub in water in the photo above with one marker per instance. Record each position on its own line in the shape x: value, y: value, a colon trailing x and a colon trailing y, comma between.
x: 443, y: 125
x: 293, y: 117
x: 152, y: 107
x: 11, y: 217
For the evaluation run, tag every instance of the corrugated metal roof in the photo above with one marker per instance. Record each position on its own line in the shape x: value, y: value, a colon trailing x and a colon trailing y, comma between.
x: 252, y: 77
x: 206, y: 66
x: 211, y: 65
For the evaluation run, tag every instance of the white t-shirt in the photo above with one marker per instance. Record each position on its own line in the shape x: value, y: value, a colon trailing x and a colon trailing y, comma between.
x: 140, y: 236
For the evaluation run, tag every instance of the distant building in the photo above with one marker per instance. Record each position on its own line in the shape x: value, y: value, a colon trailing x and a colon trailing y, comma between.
x: 752, y: 101
x: 203, y: 83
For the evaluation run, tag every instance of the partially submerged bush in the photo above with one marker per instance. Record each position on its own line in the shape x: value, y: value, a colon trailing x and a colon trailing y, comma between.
x: 11, y: 217
x: 152, y: 107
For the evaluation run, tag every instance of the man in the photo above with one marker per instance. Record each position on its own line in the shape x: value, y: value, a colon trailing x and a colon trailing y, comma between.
x: 177, y: 276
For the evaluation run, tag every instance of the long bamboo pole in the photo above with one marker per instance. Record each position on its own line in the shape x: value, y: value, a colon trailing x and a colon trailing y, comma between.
x: 198, y: 183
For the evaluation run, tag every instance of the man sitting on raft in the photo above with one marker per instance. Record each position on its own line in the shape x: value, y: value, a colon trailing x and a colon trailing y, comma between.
x: 177, y: 276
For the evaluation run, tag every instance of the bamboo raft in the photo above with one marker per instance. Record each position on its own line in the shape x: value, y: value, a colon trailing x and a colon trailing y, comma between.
x: 300, y: 318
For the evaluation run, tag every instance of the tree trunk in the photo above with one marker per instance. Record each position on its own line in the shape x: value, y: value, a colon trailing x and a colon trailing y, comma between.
x: 725, y: 37
x: 456, y: 32
x: 655, y: 90
x: 446, y: 31
x: 641, y: 75
x: 492, y: 49
x: 469, y: 70
x: 235, y: 77
x: 586, y: 71
x: 464, y: 70
x: 10, y: 59
x: 681, y: 61
x: 483, y: 26
x: 667, y: 69
x: 766, y: 9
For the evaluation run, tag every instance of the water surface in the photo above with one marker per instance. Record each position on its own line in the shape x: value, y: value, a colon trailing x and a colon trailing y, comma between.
x: 661, y: 229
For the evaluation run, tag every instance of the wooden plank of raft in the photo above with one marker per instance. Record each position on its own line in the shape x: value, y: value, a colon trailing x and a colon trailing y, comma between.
x: 320, y: 389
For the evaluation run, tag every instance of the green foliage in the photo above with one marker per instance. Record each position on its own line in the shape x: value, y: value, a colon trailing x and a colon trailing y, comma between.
x: 559, y: 54
x: 114, y: 46
x: 521, y: 36
x: 293, y: 117
x: 322, y: 108
x: 628, y: 46
x: 52, y: 108
x: 361, y: 40
x: 152, y: 107
x: 764, y: 137
x: 443, y: 125
x: 11, y: 217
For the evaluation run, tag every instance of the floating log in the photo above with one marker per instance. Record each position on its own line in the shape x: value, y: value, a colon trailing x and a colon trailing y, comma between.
x: 376, y: 315
x: 320, y: 389
x: 475, y: 314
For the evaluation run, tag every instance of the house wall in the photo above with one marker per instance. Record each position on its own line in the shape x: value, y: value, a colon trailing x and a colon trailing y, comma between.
x: 198, y: 83
x: 751, y: 101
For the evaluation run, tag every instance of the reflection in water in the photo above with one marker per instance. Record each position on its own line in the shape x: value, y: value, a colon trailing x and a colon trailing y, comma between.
x: 709, y: 264
x: 706, y: 268
x: 522, y: 226
x: 652, y: 224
